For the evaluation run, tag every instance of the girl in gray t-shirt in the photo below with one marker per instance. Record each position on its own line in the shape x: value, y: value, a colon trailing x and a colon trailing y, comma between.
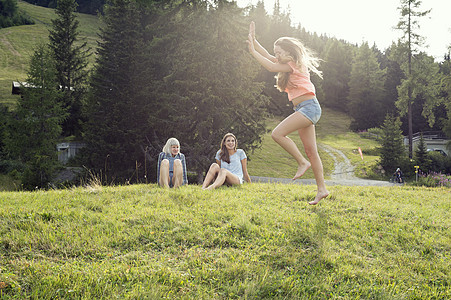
x: 230, y: 167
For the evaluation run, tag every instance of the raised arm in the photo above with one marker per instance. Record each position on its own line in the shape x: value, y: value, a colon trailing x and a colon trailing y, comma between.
x: 259, y: 48
x: 268, y: 61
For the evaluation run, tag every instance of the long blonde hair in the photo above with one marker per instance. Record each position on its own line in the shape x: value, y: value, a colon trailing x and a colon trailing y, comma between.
x: 302, y: 56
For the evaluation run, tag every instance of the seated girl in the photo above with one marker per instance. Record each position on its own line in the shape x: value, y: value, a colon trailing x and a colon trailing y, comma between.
x: 171, y: 170
x: 230, y: 167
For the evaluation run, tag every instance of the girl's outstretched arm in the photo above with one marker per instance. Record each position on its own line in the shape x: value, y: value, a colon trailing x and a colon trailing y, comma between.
x: 259, y: 48
x: 271, y: 66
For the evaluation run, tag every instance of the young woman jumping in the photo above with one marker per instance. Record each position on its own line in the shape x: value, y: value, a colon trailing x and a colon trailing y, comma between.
x: 293, y: 62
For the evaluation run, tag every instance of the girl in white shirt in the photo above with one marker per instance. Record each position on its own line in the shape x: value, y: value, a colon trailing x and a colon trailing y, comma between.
x: 230, y: 167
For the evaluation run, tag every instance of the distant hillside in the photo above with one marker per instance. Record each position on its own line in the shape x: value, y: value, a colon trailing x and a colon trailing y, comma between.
x: 17, y: 44
x: 84, y: 6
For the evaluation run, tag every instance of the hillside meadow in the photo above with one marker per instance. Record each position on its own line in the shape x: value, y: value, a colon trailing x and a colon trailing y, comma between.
x: 256, y: 241
x: 18, y: 43
x: 270, y: 160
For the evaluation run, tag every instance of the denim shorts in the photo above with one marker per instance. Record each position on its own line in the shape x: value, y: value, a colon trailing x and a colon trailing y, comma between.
x: 310, y: 109
x: 171, y: 174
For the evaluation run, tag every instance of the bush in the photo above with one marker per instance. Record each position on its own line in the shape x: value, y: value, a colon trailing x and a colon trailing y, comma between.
x: 15, y: 20
x: 433, y: 180
x: 373, y: 133
x: 439, y: 163
x: 8, y: 166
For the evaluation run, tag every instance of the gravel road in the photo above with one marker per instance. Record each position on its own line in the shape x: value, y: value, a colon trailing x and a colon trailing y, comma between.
x: 343, y: 173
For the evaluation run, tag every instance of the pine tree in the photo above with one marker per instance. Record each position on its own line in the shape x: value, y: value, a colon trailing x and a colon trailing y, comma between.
x: 446, y: 90
x: 366, y: 90
x: 421, y: 155
x: 336, y: 71
x: 409, y: 25
x: 71, y: 58
x: 36, y: 124
x: 392, y: 148
x: 120, y: 103
x: 211, y: 83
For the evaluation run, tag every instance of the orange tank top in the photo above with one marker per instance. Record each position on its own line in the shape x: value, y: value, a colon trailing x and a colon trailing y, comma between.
x: 299, y: 83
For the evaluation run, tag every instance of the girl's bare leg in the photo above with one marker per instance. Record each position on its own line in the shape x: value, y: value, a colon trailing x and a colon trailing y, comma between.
x: 224, y: 176
x: 177, y: 178
x: 293, y: 122
x: 211, y: 174
x: 308, y: 137
x: 164, y: 173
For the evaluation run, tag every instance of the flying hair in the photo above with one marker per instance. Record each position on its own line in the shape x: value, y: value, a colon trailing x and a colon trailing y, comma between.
x: 302, y: 56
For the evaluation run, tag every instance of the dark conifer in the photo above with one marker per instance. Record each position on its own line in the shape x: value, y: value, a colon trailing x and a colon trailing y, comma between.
x: 36, y: 124
x: 392, y: 148
x: 117, y: 129
x: 71, y: 60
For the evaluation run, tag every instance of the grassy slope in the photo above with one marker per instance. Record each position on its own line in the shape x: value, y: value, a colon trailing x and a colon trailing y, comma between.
x: 255, y: 241
x: 333, y: 130
x: 17, y: 44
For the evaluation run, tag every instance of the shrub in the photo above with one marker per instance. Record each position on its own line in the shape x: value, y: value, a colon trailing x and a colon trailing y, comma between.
x: 433, y: 179
x: 439, y: 163
x: 373, y: 133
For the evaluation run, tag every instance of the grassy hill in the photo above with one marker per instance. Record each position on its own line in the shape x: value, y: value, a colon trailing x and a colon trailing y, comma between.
x: 256, y: 241
x: 333, y: 130
x: 17, y: 44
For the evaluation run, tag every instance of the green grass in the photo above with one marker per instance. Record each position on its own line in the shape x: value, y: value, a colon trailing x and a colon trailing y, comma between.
x: 256, y: 241
x: 17, y: 45
x: 7, y: 183
x: 333, y: 130
x: 272, y: 161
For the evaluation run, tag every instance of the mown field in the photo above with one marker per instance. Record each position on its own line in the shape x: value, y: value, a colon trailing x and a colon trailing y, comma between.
x: 257, y: 241
x: 17, y: 45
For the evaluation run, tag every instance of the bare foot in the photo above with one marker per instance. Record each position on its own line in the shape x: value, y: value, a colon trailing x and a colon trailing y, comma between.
x: 301, y: 170
x: 318, y: 197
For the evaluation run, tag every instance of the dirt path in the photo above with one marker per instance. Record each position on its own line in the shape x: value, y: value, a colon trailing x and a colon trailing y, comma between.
x: 343, y: 169
x: 343, y: 173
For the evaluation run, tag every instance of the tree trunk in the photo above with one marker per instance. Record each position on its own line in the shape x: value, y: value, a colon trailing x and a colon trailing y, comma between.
x: 409, y: 116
